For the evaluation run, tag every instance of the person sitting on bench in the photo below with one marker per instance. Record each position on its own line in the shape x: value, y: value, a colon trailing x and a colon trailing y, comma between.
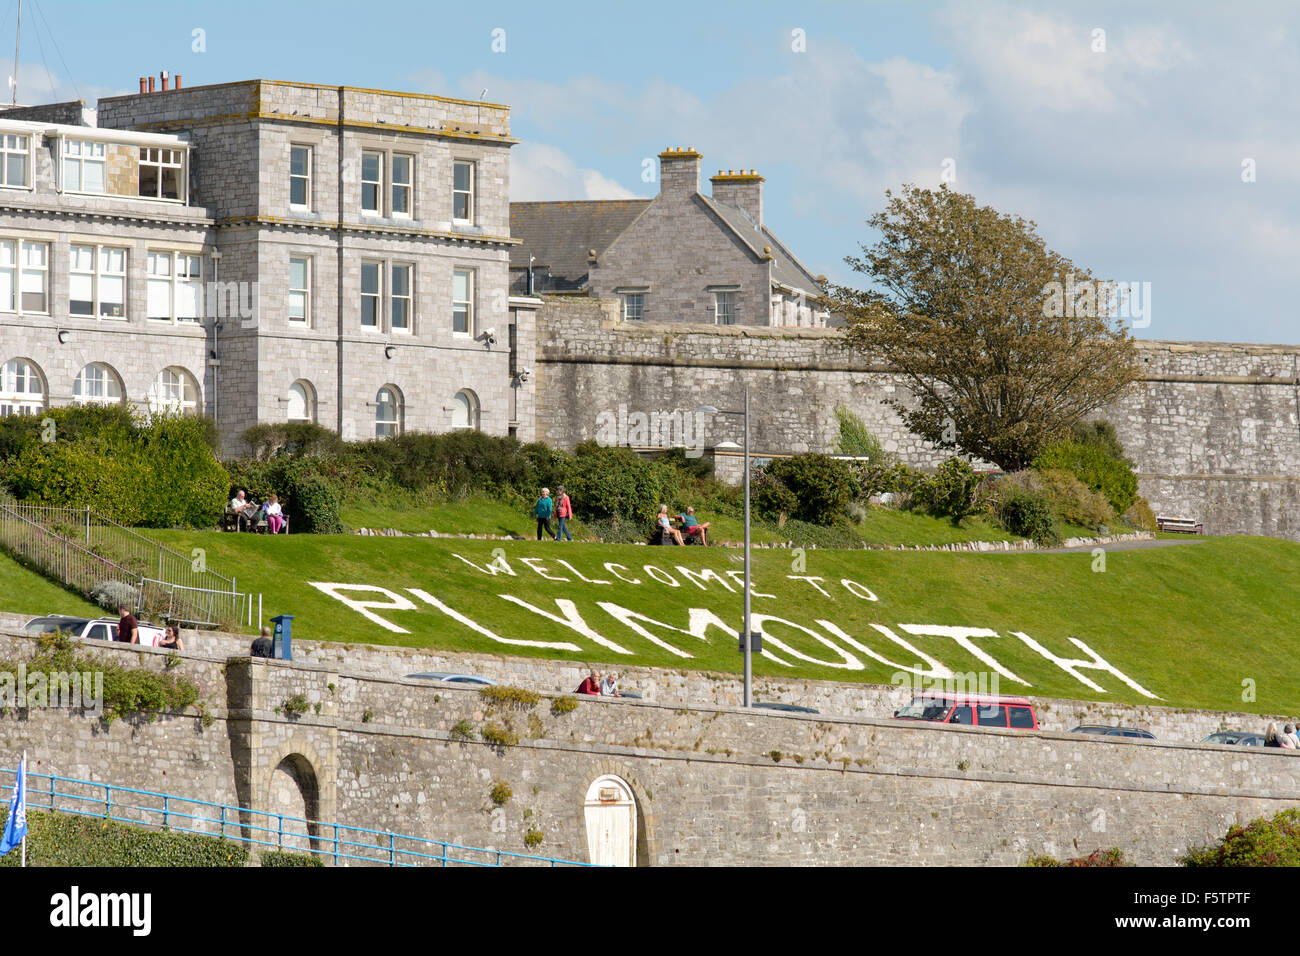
x: 666, y: 526
x: 693, y: 527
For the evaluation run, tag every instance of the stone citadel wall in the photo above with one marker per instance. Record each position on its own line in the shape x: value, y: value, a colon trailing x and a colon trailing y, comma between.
x: 712, y: 784
x: 1213, y: 428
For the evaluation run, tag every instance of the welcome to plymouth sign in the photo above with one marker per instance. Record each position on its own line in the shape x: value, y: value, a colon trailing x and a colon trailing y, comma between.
x: 797, y: 634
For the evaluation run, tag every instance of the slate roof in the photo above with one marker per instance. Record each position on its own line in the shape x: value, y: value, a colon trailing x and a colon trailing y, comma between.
x: 561, y: 234
x: 786, y: 269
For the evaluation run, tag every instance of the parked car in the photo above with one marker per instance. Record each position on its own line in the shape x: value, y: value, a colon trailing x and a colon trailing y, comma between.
x: 96, y: 628
x: 454, y: 678
x: 1098, y: 730
x: 787, y: 708
x: 980, y: 710
x: 1236, y: 738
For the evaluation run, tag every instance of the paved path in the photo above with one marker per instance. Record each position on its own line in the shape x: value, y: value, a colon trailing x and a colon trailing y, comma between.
x: 1119, y: 546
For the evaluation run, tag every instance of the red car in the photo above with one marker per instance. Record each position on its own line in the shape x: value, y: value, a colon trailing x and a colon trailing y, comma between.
x: 980, y: 710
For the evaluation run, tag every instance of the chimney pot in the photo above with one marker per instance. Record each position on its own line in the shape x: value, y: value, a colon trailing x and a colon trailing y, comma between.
x: 151, y: 84
x: 178, y: 82
x: 164, y: 81
x: 143, y: 84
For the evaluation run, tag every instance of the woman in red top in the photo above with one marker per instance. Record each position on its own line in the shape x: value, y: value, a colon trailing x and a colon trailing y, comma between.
x: 563, y: 512
x: 592, y: 684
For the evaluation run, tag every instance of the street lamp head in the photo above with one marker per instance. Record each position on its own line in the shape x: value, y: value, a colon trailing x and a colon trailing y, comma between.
x: 707, y: 410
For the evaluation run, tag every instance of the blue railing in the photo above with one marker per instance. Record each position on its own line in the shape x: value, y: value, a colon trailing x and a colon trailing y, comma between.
x: 344, y: 845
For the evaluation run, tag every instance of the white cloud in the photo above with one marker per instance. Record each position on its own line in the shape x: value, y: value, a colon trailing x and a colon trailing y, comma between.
x: 539, y: 172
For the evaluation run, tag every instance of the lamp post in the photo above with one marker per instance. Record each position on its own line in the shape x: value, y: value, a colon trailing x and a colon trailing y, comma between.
x: 745, y: 632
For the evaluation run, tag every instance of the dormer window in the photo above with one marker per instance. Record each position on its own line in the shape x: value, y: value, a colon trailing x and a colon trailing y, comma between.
x: 83, y: 166
x: 160, y: 173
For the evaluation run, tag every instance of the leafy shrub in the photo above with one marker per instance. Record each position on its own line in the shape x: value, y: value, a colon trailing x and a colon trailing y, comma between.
x: 292, y: 439
x: 563, y: 705
x: 855, y: 439
x: 1271, y: 841
x: 533, y: 838
x: 282, y: 858
x: 615, y: 530
x: 159, y: 472
x: 495, y: 735
x: 517, y: 698
x: 698, y: 467
x: 296, y: 706
x: 1112, y: 857
x: 821, y: 486
x: 769, y: 498
x: 1141, y: 515
x: 547, y: 467
x: 1095, y: 466
x: 1073, y: 501
x: 307, y: 494
x: 1021, y: 506
x: 607, y: 481
x: 112, y: 595
x: 839, y: 535
x: 63, y: 840
x: 949, y: 492
x: 463, y: 730
x: 500, y: 793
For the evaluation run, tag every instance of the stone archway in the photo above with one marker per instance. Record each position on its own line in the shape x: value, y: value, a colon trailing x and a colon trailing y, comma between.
x: 294, y: 791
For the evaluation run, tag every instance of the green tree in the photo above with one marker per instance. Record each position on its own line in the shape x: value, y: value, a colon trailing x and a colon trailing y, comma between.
x: 1004, y: 343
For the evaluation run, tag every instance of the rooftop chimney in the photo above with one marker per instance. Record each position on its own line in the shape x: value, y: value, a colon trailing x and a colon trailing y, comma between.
x: 151, y: 84
x: 144, y: 83
x: 163, y: 76
x: 742, y: 188
x: 679, y: 172
x: 178, y: 82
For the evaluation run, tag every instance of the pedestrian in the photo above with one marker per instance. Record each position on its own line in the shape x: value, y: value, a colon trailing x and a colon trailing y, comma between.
x: 543, y: 510
x: 128, y: 628
x: 263, y: 646
x: 590, y: 685
x: 171, y: 639
x: 563, y: 512
x: 1272, y: 736
x: 1289, y: 740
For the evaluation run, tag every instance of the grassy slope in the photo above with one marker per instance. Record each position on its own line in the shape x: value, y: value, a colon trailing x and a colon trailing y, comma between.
x: 883, y: 526
x: 23, y: 592
x: 1189, y: 623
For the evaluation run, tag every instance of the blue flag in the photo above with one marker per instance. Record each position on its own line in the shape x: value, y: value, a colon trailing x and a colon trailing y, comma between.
x: 16, y: 823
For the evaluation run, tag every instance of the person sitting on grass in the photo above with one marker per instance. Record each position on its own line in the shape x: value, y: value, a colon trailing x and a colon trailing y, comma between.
x: 667, y: 525
x: 693, y: 527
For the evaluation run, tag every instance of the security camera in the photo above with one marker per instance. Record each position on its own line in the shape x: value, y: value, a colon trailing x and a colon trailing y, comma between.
x: 490, y: 336
x: 525, y: 374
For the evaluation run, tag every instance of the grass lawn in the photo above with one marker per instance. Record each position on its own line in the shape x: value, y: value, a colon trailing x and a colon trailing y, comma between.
x: 26, y: 592
x: 1187, y: 624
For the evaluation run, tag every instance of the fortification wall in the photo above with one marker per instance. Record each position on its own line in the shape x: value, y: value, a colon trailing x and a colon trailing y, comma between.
x: 712, y: 785
x: 1214, y: 429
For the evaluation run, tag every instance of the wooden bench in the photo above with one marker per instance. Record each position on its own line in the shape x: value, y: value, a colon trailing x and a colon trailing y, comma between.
x: 1182, y: 525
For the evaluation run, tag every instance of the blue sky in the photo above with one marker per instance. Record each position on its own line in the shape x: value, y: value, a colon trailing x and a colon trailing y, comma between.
x: 1129, y: 157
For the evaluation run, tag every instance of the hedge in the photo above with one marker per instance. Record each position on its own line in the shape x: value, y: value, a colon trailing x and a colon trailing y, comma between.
x: 62, y: 839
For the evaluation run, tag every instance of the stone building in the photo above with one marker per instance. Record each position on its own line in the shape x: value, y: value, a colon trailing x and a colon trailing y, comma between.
x: 264, y: 251
x: 680, y: 257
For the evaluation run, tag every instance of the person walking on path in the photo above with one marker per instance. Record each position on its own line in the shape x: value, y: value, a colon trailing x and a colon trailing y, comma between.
x: 563, y: 512
x: 543, y: 510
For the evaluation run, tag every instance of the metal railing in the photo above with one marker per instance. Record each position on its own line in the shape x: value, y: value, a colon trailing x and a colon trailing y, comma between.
x: 82, y: 548
x: 337, y: 842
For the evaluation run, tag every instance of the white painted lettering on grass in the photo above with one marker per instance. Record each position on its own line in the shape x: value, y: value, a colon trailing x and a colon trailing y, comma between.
x: 963, y: 635
x: 610, y: 566
x: 1072, y: 667
x: 936, y: 670
x: 633, y: 620
x: 396, y: 602
x: 572, y: 620
x: 847, y: 662
x: 701, y: 578
x: 479, y: 628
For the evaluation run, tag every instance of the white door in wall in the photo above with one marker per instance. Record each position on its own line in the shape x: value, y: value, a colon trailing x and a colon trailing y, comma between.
x: 611, y: 822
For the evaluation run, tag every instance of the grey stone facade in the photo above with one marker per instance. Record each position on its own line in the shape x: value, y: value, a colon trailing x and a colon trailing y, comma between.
x: 246, y: 354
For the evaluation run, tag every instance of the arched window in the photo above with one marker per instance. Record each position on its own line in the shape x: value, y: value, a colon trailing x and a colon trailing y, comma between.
x: 22, y: 388
x: 464, y: 410
x: 302, y: 402
x: 97, y: 384
x: 174, y: 390
x: 388, y: 412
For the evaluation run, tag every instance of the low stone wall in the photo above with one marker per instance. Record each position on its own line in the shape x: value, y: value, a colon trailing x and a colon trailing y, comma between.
x: 712, y: 784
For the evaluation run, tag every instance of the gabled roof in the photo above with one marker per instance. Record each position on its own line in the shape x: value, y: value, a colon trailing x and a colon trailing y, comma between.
x: 786, y: 269
x: 562, y: 234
